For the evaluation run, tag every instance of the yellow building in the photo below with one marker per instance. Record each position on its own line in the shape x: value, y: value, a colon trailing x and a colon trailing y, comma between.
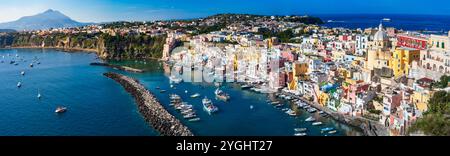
x: 299, y: 70
x: 402, y: 59
x: 323, y: 99
x: 420, y: 100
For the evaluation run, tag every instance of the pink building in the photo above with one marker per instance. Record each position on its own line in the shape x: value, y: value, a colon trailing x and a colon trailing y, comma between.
x: 354, y: 90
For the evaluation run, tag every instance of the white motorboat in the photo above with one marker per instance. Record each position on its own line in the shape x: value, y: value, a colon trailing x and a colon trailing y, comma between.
x: 60, y: 110
x: 300, y: 134
x: 195, y: 95
x: 310, y: 119
x: 317, y: 123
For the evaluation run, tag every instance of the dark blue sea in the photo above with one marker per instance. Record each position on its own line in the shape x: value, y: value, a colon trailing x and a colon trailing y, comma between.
x: 98, y: 106
x: 426, y: 23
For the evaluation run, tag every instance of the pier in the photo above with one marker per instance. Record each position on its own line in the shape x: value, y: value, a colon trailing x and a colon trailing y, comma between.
x: 368, y: 127
x: 124, y: 68
x: 151, y: 109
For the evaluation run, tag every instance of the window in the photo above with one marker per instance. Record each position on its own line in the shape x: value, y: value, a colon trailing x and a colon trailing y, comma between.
x: 437, y: 45
x: 443, y: 45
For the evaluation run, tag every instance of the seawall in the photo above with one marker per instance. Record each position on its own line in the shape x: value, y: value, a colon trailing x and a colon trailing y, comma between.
x: 151, y: 109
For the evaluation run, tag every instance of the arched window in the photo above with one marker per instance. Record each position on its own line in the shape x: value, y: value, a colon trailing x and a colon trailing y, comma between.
x: 437, y: 45
x: 443, y: 45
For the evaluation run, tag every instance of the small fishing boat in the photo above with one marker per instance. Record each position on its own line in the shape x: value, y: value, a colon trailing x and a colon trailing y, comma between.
x: 158, y: 87
x: 189, y: 116
x: 291, y: 112
x: 310, y: 119
x: 208, y: 106
x: 300, y: 129
x: 317, y: 123
x: 19, y: 84
x: 195, y: 95
x: 300, y: 134
x: 31, y: 65
x: 163, y: 91
x: 194, y: 120
x: 312, y: 110
x: 275, y: 103
x: 186, y: 91
x: 244, y: 87
x: 22, y: 73
x: 251, y: 107
x: 222, y: 95
x: 327, y: 129
x: 60, y: 110
x: 332, y: 132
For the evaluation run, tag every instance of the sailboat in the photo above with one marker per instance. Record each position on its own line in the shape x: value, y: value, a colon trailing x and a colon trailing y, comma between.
x: 39, y: 95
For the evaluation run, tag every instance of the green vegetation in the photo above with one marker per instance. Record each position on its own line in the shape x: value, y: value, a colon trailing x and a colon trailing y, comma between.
x: 117, y: 47
x: 133, y: 46
x: 443, y: 83
x: 283, y: 36
x: 436, y: 121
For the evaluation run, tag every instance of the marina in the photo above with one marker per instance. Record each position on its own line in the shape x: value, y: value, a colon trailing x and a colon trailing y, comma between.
x: 246, y: 106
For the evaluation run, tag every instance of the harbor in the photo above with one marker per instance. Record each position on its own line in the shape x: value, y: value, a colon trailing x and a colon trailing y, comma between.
x: 150, y: 108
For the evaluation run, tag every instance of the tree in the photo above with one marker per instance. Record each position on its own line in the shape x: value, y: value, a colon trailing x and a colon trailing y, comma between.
x: 436, y: 121
x: 443, y: 83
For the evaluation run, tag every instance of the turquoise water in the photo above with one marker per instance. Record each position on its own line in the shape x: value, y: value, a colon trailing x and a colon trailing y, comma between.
x: 99, y: 106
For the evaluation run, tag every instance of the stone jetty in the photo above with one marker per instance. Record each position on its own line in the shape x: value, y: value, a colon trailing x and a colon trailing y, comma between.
x: 149, y: 106
x: 125, y: 68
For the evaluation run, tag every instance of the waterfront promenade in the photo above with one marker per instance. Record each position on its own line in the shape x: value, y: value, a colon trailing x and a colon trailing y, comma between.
x: 151, y: 109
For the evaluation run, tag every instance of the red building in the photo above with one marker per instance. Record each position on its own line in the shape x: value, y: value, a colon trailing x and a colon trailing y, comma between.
x: 412, y: 41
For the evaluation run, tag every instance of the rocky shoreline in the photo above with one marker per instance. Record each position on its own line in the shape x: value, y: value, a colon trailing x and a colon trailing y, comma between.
x: 151, y: 109
x: 124, y: 68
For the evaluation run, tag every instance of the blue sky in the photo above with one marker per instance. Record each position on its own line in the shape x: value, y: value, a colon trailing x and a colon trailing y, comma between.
x: 113, y: 10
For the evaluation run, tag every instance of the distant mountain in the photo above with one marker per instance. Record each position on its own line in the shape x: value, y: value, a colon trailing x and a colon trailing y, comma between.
x: 48, y: 19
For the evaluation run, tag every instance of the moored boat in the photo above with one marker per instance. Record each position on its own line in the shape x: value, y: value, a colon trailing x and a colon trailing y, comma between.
x: 194, y: 119
x: 310, y: 119
x: 195, y: 95
x: 244, y: 87
x: 332, y: 132
x: 300, y: 134
x: 208, y: 106
x: 317, y: 123
x: 300, y: 129
x: 222, y: 95
x: 326, y: 129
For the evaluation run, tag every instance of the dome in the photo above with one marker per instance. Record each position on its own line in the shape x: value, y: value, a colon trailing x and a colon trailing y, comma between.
x: 381, y: 35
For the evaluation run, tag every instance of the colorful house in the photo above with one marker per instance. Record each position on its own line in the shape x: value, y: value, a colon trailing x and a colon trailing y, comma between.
x: 402, y: 60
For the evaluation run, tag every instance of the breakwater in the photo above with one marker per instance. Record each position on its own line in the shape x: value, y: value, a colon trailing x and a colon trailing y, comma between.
x: 151, y: 109
x: 124, y: 68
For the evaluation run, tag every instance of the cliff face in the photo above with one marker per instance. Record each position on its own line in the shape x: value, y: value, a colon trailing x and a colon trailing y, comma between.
x: 107, y: 47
